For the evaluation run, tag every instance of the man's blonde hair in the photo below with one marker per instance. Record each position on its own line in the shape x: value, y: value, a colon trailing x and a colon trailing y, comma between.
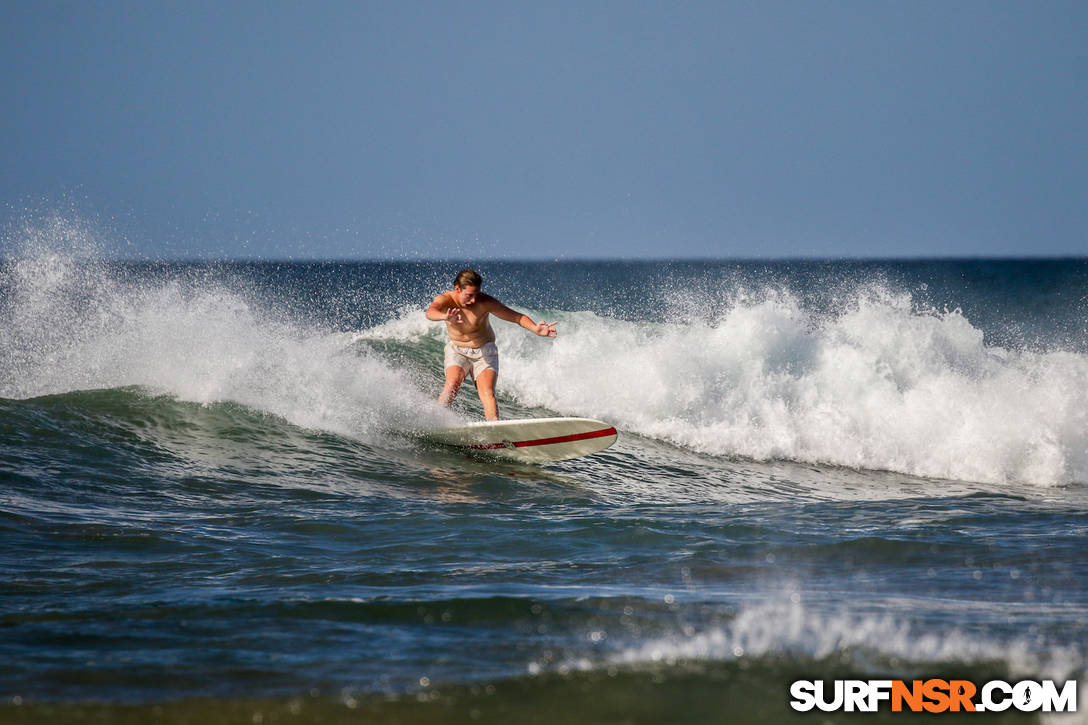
x: 468, y: 278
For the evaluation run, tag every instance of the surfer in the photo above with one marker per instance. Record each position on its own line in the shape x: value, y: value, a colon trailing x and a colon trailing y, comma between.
x: 471, y: 348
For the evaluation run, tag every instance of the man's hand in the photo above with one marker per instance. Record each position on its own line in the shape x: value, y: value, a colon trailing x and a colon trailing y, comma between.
x: 455, y: 315
x: 546, y: 329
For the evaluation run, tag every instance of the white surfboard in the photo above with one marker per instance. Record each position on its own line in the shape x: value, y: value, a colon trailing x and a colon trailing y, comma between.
x: 535, y: 440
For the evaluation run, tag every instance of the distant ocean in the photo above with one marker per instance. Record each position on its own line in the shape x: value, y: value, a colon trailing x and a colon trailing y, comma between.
x: 214, y: 506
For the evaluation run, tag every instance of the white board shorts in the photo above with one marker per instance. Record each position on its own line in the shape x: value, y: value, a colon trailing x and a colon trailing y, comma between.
x: 473, y: 360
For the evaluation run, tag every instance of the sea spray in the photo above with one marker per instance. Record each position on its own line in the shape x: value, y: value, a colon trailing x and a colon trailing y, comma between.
x: 774, y: 628
x: 878, y: 384
x: 73, y: 324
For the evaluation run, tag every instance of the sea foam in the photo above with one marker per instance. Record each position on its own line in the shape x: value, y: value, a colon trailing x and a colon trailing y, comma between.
x: 72, y: 322
x: 878, y: 384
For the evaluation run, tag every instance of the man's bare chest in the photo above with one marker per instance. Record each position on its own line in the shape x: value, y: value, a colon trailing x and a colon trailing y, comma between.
x: 473, y: 320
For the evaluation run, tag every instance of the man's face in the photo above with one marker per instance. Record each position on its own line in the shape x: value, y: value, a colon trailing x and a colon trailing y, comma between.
x: 467, y: 295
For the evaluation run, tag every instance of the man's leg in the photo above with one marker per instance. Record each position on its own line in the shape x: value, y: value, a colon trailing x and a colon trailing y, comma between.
x: 485, y: 386
x: 455, y: 375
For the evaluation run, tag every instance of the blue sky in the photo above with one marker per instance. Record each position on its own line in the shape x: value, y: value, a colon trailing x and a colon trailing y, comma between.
x: 551, y: 130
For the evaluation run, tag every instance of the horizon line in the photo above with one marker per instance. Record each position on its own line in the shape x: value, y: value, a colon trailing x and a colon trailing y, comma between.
x: 568, y: 260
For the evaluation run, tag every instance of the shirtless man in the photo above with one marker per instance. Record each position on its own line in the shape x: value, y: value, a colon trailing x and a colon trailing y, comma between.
x: 471, y: 348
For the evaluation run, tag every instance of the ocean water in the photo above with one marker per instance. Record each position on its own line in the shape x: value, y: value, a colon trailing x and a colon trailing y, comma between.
x: 215, y: 505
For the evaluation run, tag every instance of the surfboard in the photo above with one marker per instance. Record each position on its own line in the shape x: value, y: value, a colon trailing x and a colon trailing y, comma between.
x: 534, y: 440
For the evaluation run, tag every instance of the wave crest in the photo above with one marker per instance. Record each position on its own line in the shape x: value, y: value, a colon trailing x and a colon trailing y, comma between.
x: 879, y: 385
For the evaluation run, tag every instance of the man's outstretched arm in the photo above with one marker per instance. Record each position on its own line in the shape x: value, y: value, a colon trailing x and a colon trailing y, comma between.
x: 544, y: 329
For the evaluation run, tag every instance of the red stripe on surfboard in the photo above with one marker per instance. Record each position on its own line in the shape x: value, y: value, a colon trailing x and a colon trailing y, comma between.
x: 548, y: 441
